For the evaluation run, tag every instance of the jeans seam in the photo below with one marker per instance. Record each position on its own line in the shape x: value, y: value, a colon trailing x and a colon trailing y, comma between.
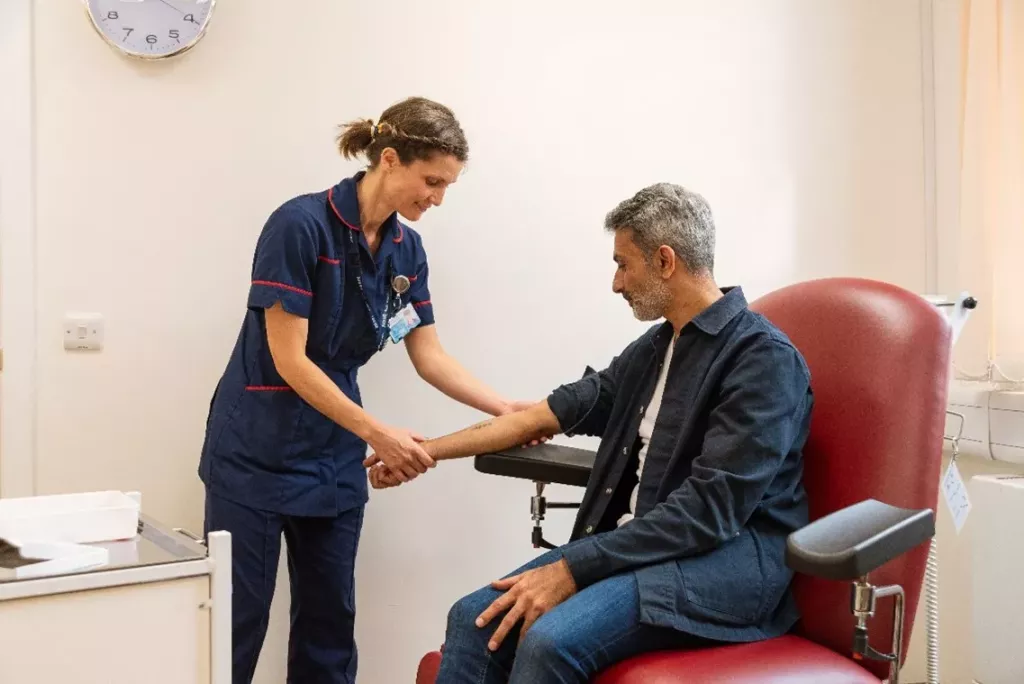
x: 604, y: 647
x: 488, y: 661
x: 483, y: 670
x: 588, y: 659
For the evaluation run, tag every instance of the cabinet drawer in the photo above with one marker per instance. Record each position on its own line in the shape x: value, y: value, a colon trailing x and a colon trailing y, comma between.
x: 156, y: 633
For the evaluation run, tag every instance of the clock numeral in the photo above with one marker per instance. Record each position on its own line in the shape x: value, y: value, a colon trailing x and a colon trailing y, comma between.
x: 128, y: 32
x: 112, y: 15
x: 192, y: 18
x: 151, y: 39
x: 175, y: 34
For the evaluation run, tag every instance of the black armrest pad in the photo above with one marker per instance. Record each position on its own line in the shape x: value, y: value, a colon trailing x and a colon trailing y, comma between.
x: 856, y: 540
x: 549, y: 463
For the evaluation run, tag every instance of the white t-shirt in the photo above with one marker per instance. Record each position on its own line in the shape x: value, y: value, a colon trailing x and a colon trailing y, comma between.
x: 647, y: 430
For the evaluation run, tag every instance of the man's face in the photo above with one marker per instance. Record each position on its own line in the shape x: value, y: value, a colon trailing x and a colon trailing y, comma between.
x: 638, y: 280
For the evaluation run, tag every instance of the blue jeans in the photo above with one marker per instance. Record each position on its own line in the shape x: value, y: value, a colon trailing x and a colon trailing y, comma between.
x: 321, y: 566
x: 589, y: 632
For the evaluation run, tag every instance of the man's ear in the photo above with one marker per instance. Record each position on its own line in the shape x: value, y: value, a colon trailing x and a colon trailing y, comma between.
x: 665, y: 258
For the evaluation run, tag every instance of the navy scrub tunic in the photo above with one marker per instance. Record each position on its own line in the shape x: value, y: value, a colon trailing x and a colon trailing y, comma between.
x: 265, y: 447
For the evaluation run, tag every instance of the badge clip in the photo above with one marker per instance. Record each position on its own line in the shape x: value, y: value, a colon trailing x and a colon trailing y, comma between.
x: 400, y: 284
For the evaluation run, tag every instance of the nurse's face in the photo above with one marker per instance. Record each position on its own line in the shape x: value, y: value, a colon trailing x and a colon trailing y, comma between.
x: 419, y: 185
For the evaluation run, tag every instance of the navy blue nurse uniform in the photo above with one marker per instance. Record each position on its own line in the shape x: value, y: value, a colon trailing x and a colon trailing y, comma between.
x: 272, y: 464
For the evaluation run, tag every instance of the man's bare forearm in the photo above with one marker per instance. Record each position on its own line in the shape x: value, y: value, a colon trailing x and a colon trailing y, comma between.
x: 504, y: 432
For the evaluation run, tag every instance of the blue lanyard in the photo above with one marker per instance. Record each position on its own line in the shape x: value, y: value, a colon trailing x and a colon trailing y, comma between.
x: 393, y: 302
x: 394, y: 299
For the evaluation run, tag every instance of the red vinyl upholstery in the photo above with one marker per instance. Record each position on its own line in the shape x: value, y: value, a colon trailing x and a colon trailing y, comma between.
x: 879, y: 360
x: 786, y: 660
x: 429, y: 665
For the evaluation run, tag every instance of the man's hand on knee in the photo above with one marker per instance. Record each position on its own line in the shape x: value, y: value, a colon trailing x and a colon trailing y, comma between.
x: 527, y: 596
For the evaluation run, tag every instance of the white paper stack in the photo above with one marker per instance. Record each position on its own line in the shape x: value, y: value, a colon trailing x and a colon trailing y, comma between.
x: 55, y: 558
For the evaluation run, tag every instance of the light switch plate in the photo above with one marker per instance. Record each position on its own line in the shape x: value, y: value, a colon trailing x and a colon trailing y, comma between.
x: 83, y: 332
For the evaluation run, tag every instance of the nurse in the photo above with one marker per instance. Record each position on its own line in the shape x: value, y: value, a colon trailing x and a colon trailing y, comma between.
x: 336, y: 278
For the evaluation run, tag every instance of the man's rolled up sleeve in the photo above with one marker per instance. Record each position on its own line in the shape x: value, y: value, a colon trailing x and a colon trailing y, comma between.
x: 584, y: 407
x: 579, y: 406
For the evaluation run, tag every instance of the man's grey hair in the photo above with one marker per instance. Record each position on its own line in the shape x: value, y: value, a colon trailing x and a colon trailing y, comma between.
x: 667, y: 214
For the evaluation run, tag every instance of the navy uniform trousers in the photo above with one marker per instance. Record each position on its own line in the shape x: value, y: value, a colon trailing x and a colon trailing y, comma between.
x: 321, y: 568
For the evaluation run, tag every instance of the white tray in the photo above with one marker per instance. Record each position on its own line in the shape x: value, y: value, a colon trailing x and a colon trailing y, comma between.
x: 84, y: 518
x: 57, y: 558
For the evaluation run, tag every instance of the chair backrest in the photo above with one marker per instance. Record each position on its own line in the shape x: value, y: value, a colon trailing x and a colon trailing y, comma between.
x: 879, y: 358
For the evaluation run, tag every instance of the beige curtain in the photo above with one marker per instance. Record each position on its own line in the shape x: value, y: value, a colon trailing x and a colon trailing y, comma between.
x: 991, y: 225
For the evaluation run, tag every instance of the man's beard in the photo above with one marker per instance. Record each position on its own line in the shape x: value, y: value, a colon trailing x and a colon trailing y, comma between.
x: 650, y: 301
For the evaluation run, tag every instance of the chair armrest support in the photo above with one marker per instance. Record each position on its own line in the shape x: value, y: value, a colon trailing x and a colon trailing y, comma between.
x: 857, y: 540
x: 544, y: 464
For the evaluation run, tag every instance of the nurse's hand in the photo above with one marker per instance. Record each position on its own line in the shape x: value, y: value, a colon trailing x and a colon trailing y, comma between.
x: 381, y: 477
x: 515, y: 407
x: 400, y: 451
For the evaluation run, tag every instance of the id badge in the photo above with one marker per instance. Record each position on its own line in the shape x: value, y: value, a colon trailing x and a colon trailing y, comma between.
x: 403, y: 322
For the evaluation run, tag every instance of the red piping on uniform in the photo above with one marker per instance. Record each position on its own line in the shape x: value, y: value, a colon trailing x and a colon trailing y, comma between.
x: 330, y: 200
x: 419, y: 304
x: 270, y: 283
x: 333, y: 262
x: 412, y: 279
x: 268, y: 388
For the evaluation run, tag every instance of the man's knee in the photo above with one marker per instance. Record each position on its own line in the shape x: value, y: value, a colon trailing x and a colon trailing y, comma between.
x: 464, y: 612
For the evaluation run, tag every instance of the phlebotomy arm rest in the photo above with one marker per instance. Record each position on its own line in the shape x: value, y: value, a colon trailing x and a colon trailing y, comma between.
x: 853, y: 542
x: 857, y: 540
x: 548, y: 463
x: 544, y: 464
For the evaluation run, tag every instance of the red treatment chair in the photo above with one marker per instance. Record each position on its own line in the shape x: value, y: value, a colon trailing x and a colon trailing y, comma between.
x: 879, y: 359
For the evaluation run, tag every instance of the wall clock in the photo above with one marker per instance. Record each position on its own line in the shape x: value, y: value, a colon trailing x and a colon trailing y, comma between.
x: 151, y: 29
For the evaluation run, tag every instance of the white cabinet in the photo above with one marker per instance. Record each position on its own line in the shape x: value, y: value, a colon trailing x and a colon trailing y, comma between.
x: 160, y: 612
x: 997, y: 593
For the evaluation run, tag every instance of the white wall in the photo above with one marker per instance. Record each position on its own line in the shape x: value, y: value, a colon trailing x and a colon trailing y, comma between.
x: 17, y: 251
x: 955, y: 550
x: 801, y: 121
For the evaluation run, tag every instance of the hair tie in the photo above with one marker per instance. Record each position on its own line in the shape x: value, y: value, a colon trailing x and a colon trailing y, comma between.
x: 373, y: 129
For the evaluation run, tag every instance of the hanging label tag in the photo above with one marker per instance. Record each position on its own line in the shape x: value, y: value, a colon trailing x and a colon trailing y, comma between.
x: 403, y: 322
x: 955, y: 492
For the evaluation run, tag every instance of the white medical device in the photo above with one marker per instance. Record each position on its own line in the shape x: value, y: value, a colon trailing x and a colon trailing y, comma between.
x: 956, y: 310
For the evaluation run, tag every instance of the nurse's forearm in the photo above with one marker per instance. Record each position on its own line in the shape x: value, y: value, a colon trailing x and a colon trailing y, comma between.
x: 504, y: 432
x: 448, y: 376
x: 286, y: 337
x: 320, y: 392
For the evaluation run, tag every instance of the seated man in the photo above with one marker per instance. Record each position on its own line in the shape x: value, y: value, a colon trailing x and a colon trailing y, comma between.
x: 680, y: 538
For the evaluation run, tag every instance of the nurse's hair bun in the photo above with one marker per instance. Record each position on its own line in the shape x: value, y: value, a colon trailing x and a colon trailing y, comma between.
x: 355, y: 138
x: 416, y: 128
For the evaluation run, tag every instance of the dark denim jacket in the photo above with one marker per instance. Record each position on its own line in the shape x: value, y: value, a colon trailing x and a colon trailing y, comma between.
x: 722, y: 482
